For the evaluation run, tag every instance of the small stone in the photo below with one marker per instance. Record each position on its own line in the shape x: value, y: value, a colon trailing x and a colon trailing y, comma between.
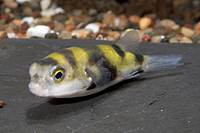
x: 123, y: 22
x: 59, y: 27
x: 167, y: 23
x: 82, y: 33
x: 146, y: 38
x: 69, y: 21
x: 11, y: 3
x: 95, y: 28
x: 1, y: 103
x: 132, y: 26
x: 175, y: 27
x: 144, y: 23
x: 50, y: 24
x: 196, y: 38
x: 44, y: 4
x: 97, y: 23
x: 38, y: 31
x: 152, y: 16
x: 3, y: 34
x: 65, y: 35
x: 188, y: 26
x: 160, y: 30
x: 197, y: 29
x: 51, y: 36
x: 109, y: 19
x: 17, y: 22
x: 185, y: 40
x: 70, y: 27
x: 59, y: 10
x: 134, y: 19
x: 23, y: 28
x: 48, y: 13
x: 157, y: 38
x: 92, y: 11
x: 115, y: 35
x: 187, y: 31
x: 20, y: 35
x: 77, y: 12
x: 11, y: 35
x: 166, y: 39
x: 29, y: 20
x: 27, y: 11
x: 11, y: 28
x: 173, y: 40
x: 5, y: 16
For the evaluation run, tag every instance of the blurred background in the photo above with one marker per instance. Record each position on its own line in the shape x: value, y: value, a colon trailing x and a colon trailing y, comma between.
x: 109, y: 18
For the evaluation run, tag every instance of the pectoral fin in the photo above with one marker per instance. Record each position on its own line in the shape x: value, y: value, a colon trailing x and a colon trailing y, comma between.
x: 99, y: 74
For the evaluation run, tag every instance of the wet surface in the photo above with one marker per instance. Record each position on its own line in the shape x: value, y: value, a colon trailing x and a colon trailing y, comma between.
x: 164, y: 101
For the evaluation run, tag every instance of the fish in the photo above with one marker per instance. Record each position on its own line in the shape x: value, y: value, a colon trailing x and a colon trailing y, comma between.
x: 88, y: 69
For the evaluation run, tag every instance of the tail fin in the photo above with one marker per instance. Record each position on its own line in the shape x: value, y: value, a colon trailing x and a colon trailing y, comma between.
x: 161, y: 62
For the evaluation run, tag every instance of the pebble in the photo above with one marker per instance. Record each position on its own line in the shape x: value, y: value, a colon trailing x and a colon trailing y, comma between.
x: 173, y: 40
x: 95, y: 28
x: 70, y: 27
x: 11, y: 4
x: 81, y: 33
x: 144, y: 23
x: 185, y: 40
x: 3, y: 34
x: 17, y: 22
x: 134, y: 19
x: 23, y: 28
x: 44, y: 4
x: 187, y: 31
x: 146, y: 38
x: 196, y: 38
x: 167, y: 23
x: 65, y: 35
x: 152, y: 16
x: 159, y: 30
x: 51, y: 36
x: 92, y: 11
x: 157, y: 38
x: 37, y: 31
x: 1, y: 103
x: 108, y: 19
x: 197, y: 29
x: 58, y: 27
x: 11, y: 35
x: 175, y: 27
x: 115, y: 35
x: 29, y: 20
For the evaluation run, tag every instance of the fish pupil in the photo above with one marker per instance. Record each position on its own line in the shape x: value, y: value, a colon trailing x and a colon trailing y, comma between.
x: 58, y: 75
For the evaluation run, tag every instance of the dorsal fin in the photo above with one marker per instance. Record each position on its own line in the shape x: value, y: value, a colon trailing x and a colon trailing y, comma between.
x: 129, y: 42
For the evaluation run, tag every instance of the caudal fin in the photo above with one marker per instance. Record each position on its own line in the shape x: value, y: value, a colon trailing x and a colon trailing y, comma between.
x: 161, y: 62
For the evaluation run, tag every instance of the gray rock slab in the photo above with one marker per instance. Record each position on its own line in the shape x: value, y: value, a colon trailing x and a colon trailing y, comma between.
x: 164, y: 101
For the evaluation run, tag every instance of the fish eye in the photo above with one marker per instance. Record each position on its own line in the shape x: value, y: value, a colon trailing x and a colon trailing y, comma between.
x: 58, y: 75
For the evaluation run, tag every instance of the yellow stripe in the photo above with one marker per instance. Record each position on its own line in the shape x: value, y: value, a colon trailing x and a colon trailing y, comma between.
x: 58, y: 57
x: 80, y: 55
x: 111, y: 54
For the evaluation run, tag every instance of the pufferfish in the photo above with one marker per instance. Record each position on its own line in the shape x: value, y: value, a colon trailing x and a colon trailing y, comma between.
x: 84, y: 70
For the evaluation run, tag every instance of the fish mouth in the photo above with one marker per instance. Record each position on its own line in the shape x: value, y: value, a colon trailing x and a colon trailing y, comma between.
x: 37, y: 90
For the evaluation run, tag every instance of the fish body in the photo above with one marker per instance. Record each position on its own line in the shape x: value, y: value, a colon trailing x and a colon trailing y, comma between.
x: 85, y: 70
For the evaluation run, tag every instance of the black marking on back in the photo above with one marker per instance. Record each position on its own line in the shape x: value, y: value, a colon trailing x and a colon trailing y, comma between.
x: 96, y: 54
x: 118, y: 50
x: 48, y: 61
x: 69, y: 56
x: 139, y: 58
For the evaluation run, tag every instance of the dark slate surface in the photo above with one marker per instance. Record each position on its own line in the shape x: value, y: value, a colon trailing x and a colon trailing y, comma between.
x: 165, y: 101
